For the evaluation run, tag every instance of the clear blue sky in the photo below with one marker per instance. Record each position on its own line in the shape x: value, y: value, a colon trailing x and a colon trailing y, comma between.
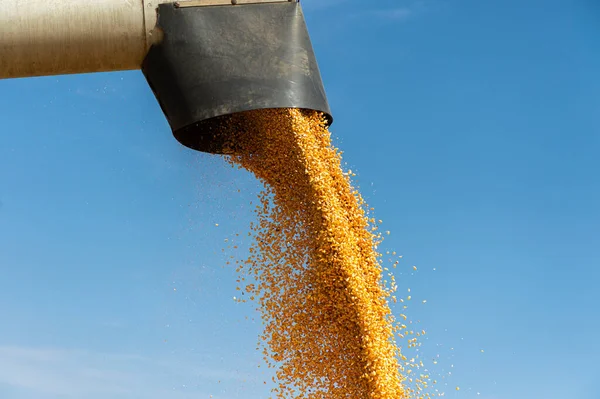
x: 474, y: 127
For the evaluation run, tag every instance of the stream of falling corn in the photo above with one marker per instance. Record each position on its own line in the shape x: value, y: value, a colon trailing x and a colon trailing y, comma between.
x: 315, y: 268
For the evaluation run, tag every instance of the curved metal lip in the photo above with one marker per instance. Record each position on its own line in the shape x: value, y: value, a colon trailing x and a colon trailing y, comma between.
x: 206, y: 135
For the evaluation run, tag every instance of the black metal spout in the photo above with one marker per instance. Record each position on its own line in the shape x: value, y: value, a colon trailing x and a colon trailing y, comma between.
x: 215, y: 61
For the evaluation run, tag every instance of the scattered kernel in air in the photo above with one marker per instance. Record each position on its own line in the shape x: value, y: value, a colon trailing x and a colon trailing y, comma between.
x: 314, y: 261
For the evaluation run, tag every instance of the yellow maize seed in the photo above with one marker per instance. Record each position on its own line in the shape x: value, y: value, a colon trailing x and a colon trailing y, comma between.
x: 327, y: 324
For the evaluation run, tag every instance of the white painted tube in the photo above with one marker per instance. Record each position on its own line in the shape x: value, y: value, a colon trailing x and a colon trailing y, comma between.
x: 54, y: 37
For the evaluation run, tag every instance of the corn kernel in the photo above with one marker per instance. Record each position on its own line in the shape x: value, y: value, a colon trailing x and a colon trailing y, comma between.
x: 328, y: 328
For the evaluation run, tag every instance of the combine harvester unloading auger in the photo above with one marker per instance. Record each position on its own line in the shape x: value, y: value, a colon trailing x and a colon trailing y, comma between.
x: 231, y: 77
x: 205, y: 60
